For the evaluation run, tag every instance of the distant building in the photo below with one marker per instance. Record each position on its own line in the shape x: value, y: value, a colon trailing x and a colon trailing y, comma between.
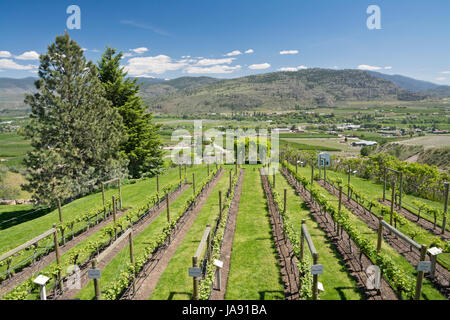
x: 363, y: 143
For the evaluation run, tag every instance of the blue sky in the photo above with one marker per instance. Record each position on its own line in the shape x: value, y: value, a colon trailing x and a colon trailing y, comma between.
x: 169, y: 39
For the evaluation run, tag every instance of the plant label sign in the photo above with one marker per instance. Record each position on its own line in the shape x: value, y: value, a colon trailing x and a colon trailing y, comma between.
x: 424, y: 266
x: 317, y: 269
x: 195, y: 272
x: 94, y: 274
x: 323, y: 160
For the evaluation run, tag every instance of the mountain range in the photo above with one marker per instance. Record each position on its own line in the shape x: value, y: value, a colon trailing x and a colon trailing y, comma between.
x: 269, y: 91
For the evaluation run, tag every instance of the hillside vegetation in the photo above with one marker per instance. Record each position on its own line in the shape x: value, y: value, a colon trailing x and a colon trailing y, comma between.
x: 270, y: 91
x: 280, y: 91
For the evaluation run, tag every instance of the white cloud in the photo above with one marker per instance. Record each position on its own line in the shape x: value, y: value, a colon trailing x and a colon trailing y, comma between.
x: 289, y: 52
x: 140, y: 50
x: 445, y: 72
x: 249, y: 51
x: 5, y: 54
x: 10, y: 64
x: 292, y: 69
x: 388, y: 68
x: 233, y: 53
x: 29, y: 55
x: 441, y: 79
x: 210, y: 62
x: 259, y: 66
x: 214, y: 69
x: 367, y: 67
x: 158, y: 65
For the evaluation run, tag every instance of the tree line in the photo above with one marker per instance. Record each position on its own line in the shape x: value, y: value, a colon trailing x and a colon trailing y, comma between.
x: 88, y: 124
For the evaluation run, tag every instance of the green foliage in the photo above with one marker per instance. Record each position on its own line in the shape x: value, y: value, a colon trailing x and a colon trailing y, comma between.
x: 74, y: 132
x: 121, y: 282
x: 143, y: 142
x: 398, y: 278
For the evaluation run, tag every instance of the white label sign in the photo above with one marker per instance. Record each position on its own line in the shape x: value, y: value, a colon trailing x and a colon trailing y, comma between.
x: 424, y: 266
x: 218, y: 263
x: 94, y: 274
x: 195, y: 272
x: 317, y: 269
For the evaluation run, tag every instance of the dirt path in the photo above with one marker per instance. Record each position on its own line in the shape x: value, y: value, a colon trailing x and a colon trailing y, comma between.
x: 355, y: 261
x: 44, y: 261
x: 427, y: 225
x: 137, y: 228
x: 227, y: 244
x: 148, y: 278
x: 442, y: 277
x: 286, y: 257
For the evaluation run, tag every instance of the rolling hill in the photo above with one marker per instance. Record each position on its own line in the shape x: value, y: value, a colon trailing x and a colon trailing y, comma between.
x: 270, y: 91
x: 275, y: 91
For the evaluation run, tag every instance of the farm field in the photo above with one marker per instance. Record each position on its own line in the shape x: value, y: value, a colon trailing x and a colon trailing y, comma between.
x: 325, y: 144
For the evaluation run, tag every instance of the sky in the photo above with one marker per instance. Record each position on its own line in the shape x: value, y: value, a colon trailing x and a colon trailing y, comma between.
x: 228, y: 39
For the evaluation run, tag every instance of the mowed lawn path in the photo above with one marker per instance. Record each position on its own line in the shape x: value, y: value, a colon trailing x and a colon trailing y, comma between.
x: 254, y: 270
x: 175, y: 283
x: 336, y: 280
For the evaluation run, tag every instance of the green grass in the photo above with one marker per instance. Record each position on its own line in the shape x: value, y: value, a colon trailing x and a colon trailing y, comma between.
x: 175, y: 284
x: 132, y: 194
x: 303, y: 146
x: 254, y: 271
x: 428, y: 291
x: 118, y: 264
x: 336, y: 280
x: 374, y: 191
x: 170, y: 177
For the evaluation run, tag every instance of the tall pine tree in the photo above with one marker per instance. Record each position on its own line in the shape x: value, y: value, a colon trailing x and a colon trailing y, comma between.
x: 74, y: 132
x: 142, y: 146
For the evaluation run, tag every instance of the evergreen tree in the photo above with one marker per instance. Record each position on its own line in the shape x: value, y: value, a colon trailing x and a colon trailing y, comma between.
x: 142, y: 146
x: 74, y: 132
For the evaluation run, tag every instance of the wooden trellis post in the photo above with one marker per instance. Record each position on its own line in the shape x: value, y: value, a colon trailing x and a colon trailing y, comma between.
x: 179, y: 170
x: 103, y: 193
x: 401, y: 191
x: 444, y: 218
x: 285, y: 196
x: 312, y: 179
x: 384, y: 184
x: 157, y: 183
x: 229, y: 187
x: 392, y: 201
x: 168, y: 207
x: 61, y: 221
x: 133, y: 276
x: 220, y: 205
x: 420, y: 274
x: 114, y: 217
x: 273, y: 170
x: 195, y: 279
x: 120, y: 196
x: 96, y: 281
x: 185, y: 173
x: 193, y: 182
x: 315, y: 276
x: 380, y: 235
x: 208, y: 168
x: 58, y: 259
x: 348, y: 180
